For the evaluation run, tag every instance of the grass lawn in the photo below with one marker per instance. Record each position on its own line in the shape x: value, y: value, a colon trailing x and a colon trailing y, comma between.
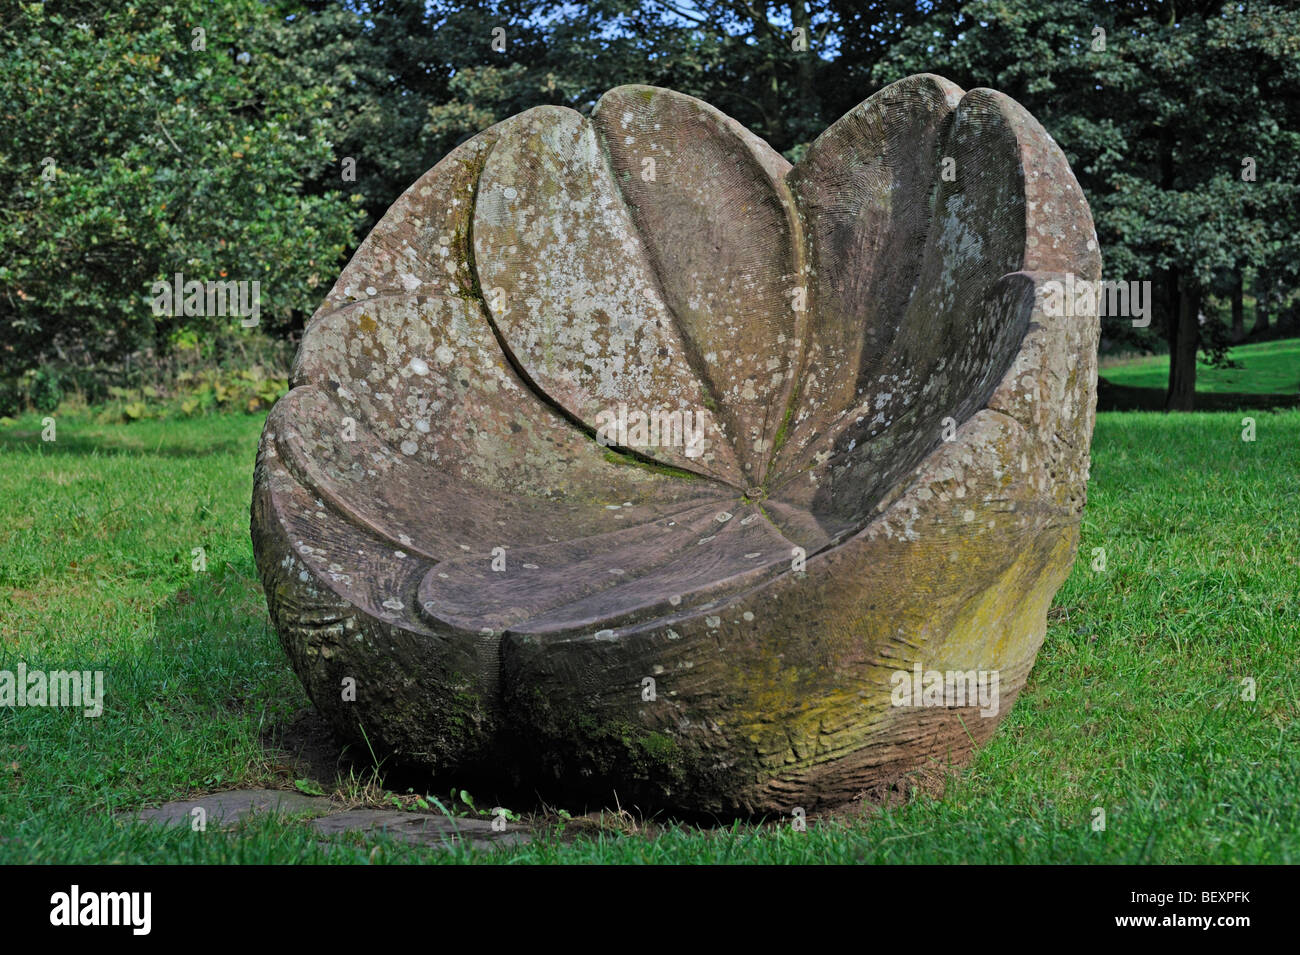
x: 1135, y: 705
x: 1266, y: 368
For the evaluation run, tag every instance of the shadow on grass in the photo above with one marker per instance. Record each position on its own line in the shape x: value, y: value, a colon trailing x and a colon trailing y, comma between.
x: 77, y: 440
x: 216, y: 645
x: 1112, y: 397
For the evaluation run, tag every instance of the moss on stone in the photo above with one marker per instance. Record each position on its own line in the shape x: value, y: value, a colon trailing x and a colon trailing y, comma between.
x: 614, y: 457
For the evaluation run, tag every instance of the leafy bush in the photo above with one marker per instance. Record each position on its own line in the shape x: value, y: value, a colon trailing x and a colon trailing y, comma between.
x: 207, y: 391
x: 12, y: 398
x: 46, y: 390
x: 147, y: 139
x: 40, y: 389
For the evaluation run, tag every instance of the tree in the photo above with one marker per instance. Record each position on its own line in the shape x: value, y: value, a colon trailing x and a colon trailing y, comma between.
x: 145, y: 140
x: 1181, y: 120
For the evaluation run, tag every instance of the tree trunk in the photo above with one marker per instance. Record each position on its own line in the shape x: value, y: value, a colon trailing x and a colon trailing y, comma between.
x: 1238, y: 310
x: 1182, y: 390
x: 1261, y: 305
x: 1183, y: 342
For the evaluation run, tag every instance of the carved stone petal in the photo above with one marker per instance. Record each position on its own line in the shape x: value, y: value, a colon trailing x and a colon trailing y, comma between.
x: 721, y: 228
x: 421, y: 244
x: 570, y: 288
x: 865, y: 189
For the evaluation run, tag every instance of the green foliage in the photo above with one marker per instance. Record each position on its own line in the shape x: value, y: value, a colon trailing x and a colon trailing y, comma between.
x: 418, y: 78
x: 233, y: 162
x: 45, y: 392
x: 40, y: 389
x: 207, y: 391
x: 129, y: 155
x: 309, y: 787
x: 13, y: 398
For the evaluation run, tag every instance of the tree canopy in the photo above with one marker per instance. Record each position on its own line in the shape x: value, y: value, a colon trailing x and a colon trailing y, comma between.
x: 257, y: 141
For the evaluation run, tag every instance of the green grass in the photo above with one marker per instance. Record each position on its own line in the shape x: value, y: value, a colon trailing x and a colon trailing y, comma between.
x: 1267, y: 368
x: 1134, y: 706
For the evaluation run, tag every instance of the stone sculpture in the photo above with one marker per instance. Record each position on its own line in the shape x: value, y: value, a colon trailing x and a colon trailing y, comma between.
x: 625, y: 457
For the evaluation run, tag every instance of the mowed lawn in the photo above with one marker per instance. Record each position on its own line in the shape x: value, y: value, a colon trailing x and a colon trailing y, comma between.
x: 1264, y: 368
x: 1135, y: 706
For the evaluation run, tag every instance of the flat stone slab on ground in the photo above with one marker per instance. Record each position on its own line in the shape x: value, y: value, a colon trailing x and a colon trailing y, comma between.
x: 230, y: 807
x: 416, y: 828
x: 420, y: 828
